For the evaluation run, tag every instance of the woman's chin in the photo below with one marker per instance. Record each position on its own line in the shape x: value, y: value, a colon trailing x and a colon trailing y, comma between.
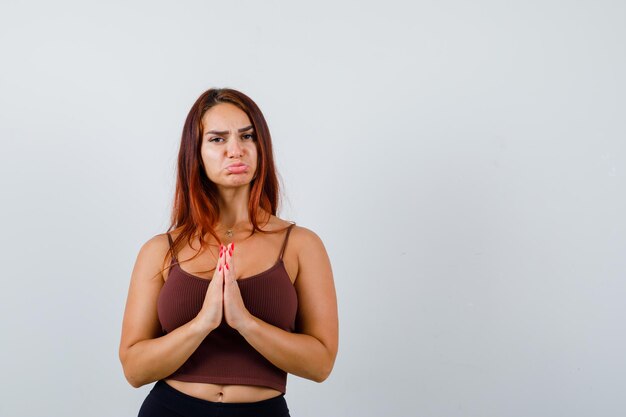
x: 239, y: 181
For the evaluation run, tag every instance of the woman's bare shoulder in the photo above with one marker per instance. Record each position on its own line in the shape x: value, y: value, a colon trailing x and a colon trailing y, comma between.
x: 155, y: 251
x: 156, y: 244
x: 301, y: 237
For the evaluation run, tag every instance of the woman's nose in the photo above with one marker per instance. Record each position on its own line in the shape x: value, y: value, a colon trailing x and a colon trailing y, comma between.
x: 234, y: 148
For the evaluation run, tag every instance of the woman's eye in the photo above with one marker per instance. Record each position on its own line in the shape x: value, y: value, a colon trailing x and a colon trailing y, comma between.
x: 214, y: 139
x: 250, y: 135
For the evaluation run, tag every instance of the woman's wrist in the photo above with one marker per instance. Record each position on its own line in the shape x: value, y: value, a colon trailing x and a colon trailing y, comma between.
x: 198, y: 328
x: 248, y: 326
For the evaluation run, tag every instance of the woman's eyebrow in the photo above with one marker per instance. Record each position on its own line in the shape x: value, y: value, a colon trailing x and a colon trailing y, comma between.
x: 223, y: 132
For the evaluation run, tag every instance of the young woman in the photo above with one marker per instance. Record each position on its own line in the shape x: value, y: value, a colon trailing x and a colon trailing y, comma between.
x: 232, y: 298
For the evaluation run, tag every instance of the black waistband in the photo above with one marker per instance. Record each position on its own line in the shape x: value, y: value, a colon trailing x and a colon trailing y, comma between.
x: 184, y: 403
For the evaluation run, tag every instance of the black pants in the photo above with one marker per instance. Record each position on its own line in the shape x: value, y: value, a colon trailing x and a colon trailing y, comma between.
x: 166, y: 401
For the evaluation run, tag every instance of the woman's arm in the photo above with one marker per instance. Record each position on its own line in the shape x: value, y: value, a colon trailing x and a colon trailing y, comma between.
x: 144, y: 355
x: 310, y: 353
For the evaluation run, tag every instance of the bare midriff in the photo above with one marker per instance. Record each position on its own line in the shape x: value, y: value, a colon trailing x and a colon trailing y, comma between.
x: 224, y: 393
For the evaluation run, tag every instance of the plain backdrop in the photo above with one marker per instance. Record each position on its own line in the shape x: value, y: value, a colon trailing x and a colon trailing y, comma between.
x: 463, y: 163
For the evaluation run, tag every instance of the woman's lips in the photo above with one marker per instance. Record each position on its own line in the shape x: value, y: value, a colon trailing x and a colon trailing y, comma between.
x: 237, y: 169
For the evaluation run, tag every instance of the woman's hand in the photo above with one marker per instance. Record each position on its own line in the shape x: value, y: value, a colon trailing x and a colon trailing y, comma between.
x: 210, y: 315
x: 235, y: 312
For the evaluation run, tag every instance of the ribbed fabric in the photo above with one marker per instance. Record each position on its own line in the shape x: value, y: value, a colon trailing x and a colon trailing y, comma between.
x: 224, y: 356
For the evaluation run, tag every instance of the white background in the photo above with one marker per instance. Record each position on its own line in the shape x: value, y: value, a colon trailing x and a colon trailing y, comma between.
x: 463, y: 163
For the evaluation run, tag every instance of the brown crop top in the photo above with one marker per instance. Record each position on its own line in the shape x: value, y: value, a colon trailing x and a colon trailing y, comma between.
x: 224, y: 356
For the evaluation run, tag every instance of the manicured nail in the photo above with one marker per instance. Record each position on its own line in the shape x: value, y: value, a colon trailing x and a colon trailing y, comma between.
x: 227, y: 267
x: 233, y: 247
x: 230, y: 253
x: 219, y: 269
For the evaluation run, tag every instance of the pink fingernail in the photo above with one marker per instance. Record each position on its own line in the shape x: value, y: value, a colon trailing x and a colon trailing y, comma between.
x: 227, y: 267
x: 219, y: 269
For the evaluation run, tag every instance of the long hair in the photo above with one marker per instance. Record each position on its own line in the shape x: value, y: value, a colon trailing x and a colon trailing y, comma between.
x: 195, y: 209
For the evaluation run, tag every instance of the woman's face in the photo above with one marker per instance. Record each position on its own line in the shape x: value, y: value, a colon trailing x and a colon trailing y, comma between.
x: 228, y: 140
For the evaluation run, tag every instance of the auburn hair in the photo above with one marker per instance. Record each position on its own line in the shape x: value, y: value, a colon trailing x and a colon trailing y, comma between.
x: 195, y: 208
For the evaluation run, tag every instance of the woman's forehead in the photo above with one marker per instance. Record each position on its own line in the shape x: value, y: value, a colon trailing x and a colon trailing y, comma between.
x: 223, y: 116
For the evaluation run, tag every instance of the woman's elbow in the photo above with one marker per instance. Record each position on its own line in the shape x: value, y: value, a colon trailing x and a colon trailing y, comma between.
x: 323, y: 372
x: 134, y: 380
x: 131, y: 376
x: 321, y: 376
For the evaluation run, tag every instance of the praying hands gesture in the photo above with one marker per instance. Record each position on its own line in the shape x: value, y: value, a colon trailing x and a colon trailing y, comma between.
x: 223, y: 298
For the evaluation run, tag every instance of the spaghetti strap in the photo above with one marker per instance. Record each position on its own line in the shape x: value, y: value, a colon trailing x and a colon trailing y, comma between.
x: 172, y: 247
x: 282, y: 250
